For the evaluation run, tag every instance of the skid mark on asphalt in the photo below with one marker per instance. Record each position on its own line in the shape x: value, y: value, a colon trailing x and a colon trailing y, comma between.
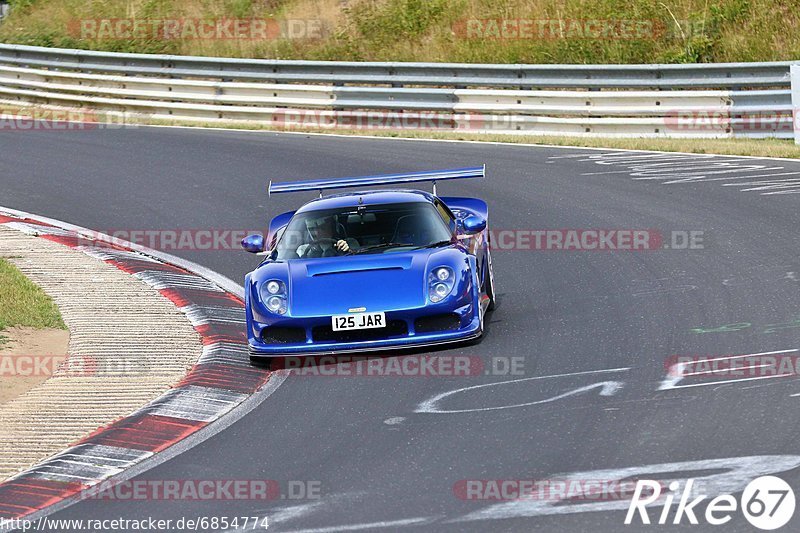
x: 765, y: 178
x: 664, y: 290
x: 607, y: 388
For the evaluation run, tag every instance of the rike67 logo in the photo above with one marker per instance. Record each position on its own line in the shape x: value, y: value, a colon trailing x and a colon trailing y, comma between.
x: 767, y: 502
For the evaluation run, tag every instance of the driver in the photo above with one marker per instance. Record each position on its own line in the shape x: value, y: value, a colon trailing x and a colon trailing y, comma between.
x: 324, y: 241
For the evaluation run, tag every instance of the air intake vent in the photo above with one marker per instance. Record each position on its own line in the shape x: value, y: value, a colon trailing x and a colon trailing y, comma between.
x: 444, y: 322
x: 281, y: 335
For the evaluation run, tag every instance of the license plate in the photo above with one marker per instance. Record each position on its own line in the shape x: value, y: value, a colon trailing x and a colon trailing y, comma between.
x: 358, y: 321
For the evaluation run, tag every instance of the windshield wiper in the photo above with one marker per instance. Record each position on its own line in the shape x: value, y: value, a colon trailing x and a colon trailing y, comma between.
x: 435, y: 244
x: 381, y: 246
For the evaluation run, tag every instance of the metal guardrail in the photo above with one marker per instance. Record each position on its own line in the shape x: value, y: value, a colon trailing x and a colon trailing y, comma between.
x: 707, y: 100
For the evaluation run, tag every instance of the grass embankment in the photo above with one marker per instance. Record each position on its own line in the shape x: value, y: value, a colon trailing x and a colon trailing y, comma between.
x: 24, y: 304
x: 679, y: 31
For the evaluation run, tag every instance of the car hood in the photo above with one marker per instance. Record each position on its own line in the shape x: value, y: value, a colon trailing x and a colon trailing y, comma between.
x: 376, y: 282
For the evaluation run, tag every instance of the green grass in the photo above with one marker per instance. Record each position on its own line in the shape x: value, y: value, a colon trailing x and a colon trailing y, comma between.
x: 24, y: 304
x: 678, y: 31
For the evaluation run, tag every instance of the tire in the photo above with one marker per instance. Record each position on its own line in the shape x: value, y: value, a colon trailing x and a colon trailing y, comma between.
x: 490, y: 282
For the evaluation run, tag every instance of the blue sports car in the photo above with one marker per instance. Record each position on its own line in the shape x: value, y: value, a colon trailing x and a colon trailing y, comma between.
x: 370, y: 270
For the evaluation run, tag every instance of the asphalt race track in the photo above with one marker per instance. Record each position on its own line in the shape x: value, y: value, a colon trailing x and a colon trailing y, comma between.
x: 595, y: 328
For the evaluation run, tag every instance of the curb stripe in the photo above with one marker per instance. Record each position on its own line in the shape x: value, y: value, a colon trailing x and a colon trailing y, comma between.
x: 220, y: 380
x: 145, y: 432
x: 195, y: 403
x: 133, y: 266
x: 24, y: 496
x: 225, y: 353
x: 213, y: 333
x: 86, y: 463
x: 186, y: 297
x: 168, y: 280
x: 223, y: 376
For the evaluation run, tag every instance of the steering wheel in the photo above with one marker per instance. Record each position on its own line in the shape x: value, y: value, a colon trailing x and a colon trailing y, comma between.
x: 332, y: 242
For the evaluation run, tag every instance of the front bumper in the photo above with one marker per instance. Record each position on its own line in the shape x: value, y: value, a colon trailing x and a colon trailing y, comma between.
x: 470, y: 327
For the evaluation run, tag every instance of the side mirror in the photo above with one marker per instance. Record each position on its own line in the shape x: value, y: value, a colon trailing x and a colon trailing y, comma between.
x: 253, y: 243
x: 473, y: 224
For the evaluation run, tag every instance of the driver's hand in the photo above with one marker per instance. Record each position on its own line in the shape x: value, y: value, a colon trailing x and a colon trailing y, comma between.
x: 342, y: 246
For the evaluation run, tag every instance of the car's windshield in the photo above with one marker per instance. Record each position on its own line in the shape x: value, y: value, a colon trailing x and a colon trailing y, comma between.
x: 364, y: 229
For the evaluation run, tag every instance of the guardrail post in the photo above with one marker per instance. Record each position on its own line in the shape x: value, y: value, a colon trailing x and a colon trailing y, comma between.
x: 795, y: 77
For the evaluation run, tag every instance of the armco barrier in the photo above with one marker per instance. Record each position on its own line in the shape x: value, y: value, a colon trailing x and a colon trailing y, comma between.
x: 752, y: 100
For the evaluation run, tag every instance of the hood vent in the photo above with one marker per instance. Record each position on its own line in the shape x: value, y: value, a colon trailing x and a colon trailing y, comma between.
x: 345, y: 265
x: 354, y: 270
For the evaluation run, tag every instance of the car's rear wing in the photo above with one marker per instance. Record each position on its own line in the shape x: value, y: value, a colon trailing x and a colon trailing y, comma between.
x: 385, y: 179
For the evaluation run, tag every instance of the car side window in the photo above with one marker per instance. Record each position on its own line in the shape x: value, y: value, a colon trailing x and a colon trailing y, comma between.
x: 445, y: 213
x: 275, y: 238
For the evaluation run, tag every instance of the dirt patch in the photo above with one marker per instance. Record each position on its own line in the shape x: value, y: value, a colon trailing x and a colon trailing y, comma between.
x: 28, y: 357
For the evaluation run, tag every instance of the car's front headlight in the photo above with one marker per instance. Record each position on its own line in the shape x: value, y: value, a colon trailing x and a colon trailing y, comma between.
x: 440, y: 283
x: 273, y: 295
